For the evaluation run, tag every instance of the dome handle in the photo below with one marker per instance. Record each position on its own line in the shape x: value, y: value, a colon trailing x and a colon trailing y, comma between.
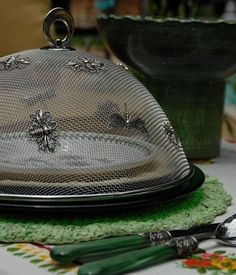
x: 55, y: 15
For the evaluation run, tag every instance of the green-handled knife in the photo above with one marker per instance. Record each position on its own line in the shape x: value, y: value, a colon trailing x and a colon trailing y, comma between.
x: 83, y: 252
x: 139, y: 259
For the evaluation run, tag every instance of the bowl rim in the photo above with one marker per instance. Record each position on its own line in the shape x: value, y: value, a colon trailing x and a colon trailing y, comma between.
x: 167, y: 19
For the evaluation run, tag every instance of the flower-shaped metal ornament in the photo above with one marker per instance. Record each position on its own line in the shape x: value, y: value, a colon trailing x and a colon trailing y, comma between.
x: 86, y: 65
x: 170, y: 134
x: 43, y: 131
x: 14, y: 62
x: 122, y: 66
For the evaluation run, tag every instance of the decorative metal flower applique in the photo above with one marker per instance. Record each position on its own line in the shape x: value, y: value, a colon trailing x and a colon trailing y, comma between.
x: 122, y: 66
x: 86, y: 65
x: 171, y: 135
x: 127, y: 122
x: 43, y: 131
x: 14, y: 62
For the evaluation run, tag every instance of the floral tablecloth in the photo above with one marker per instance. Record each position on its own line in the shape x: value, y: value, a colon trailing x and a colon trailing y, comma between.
x: 31, y: 259
x: 37, y: 261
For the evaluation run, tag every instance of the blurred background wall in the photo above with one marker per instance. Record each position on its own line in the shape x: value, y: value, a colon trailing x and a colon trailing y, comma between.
x: 21, y: 24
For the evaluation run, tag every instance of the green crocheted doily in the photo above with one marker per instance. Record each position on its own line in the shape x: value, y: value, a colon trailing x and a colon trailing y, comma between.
x: 197, y: 208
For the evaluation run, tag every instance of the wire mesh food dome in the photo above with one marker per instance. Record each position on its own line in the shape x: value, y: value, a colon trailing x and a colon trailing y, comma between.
x: 74, y: 125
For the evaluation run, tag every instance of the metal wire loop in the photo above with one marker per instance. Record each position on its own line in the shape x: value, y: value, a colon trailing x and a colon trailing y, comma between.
x: 55, y: 15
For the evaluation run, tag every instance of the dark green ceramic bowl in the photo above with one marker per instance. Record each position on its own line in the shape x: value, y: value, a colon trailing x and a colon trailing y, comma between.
x: 184, y: 64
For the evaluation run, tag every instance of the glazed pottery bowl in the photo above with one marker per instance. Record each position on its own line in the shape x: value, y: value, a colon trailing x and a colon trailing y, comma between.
x: 184, y: 64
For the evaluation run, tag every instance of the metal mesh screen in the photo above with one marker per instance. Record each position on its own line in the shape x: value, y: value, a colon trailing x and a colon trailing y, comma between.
x: 74, y: 124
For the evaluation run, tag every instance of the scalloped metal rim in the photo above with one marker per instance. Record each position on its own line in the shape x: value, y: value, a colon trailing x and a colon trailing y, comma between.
x: 167, y: 19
